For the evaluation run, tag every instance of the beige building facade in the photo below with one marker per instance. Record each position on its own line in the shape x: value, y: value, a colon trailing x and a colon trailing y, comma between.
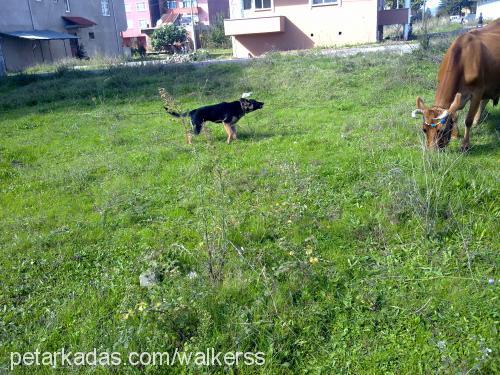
x: 259, y: 26
x: 44, y: 31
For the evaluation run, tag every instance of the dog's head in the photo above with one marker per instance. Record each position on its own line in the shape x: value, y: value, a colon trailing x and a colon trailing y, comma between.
x: 249, y: 105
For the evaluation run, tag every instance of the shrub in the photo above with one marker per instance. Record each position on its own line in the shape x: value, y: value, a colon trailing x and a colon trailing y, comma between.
x: 164, y: 38
x: 215, y: 36
x: 81, y: 52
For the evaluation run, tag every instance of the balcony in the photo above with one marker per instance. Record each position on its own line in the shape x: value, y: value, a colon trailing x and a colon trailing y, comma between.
x: 248, y: 26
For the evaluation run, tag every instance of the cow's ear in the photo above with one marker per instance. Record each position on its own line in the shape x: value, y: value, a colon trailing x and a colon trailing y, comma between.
x: 456, y: 103
x: 420, y: 103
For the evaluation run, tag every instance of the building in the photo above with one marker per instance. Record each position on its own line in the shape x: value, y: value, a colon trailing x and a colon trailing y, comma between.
x: 204, y: 12
x: 489, y: 8
x: 260, y: 26
x: 43, y: 31
x: 144, y: 16
x: 141, y: 14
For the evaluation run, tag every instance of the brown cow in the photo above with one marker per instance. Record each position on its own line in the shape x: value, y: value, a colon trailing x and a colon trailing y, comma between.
x: 470, y: 71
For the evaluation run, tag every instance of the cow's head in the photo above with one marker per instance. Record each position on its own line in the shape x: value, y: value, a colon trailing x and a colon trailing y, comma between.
x: 438, y: 122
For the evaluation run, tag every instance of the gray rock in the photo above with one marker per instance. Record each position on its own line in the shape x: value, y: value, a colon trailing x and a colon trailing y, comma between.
x: 148, y: 279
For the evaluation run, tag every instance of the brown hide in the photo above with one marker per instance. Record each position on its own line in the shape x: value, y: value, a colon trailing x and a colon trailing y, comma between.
x: 471, y: 67
x: 470, y: 71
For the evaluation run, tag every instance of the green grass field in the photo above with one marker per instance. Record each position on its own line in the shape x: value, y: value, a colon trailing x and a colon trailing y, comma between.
x: 325, y: 237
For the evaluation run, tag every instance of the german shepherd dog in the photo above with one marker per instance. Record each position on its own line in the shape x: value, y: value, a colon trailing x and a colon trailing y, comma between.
x: 227, y: 113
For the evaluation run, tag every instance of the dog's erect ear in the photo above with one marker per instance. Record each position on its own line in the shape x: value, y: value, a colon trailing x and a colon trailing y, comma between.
x: 245, y: 104
x: 246, y: 95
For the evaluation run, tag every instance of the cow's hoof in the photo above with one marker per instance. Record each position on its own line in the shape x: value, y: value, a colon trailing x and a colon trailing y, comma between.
x: 465, y: 148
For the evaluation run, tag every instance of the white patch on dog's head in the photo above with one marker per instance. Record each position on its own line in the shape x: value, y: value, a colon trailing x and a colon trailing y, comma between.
x: 246, y: 94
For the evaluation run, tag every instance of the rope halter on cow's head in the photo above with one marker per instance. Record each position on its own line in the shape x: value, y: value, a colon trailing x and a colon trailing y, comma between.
x: 438, y: 122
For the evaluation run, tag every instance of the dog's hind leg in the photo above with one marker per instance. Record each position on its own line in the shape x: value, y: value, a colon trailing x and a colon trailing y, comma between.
x: 229, y: 132
x: 234, y: 135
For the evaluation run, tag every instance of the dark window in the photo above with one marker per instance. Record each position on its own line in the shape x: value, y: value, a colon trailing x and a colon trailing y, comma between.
x: 247, y: 4
x: 262, y: 4
x: 91, y: 35
x: 318, y: 2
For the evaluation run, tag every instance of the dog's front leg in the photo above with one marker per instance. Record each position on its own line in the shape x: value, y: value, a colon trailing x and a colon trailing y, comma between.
x: 229, y: 132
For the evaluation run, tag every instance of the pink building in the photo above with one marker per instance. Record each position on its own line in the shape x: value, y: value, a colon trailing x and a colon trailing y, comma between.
x: 144, y: 15
x: 259, y: 26
x: 204, y: 12
x: 141, y: 14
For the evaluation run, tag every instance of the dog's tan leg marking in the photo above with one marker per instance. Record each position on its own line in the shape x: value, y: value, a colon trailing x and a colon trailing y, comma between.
x: 234, y: 134
x: 229, y: 132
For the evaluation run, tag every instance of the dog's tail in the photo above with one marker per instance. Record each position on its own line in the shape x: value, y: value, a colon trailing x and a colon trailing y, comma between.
x: 175, y: 114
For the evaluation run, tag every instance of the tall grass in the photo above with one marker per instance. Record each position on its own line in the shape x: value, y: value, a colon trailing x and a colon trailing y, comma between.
x: 326, y: 237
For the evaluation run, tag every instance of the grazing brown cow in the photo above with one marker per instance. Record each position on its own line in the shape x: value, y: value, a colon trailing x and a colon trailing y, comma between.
x: 470, y: 71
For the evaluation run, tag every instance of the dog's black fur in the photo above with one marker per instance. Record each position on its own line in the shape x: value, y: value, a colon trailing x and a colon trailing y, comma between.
x: 227, y: 113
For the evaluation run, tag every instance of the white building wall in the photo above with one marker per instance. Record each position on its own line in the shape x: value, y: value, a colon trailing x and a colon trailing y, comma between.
x: 489, y: 8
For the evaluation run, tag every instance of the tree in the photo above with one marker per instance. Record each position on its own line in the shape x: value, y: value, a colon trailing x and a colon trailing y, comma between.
x: 164, y: 37
x: 453, y: 7
x: 415, y: 4
x: 216, y: 35
x: 81, y: 52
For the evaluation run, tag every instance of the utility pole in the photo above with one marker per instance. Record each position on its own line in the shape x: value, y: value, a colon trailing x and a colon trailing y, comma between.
x: 3, y: 68
x: 406, y: 29
x: 31, y: 15
x: 195, y: 47
x: 424, y: 20
x: 116, y: 29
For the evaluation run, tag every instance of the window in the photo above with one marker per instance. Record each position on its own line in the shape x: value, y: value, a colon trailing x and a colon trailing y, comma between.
x: 263, y: 4
x: 171, y: 4
x: 91, y: 35
x: 66, y: 4
x: 323, y: 2
x: 130, y: 24
x: 188, y: 3
x: 105, y: 7
x: 127, y: 8
x: 141, y: 7
x: 186, y: 19
x: 143, y: 24
x: 258, y: 4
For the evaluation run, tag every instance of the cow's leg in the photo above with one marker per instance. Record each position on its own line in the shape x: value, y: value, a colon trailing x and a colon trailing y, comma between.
x: 479, y: 112
x: 455, y: 133
x: 474, y: 106
x: 229, y: 132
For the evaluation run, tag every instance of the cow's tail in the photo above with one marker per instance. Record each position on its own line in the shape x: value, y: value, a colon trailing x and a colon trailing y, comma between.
x: 175, y: 114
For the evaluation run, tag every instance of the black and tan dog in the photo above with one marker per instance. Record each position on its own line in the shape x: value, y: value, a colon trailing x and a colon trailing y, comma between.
x: 227, y: 113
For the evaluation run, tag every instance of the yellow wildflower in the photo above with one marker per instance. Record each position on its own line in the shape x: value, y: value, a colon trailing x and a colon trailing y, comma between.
x: 313, y: 260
